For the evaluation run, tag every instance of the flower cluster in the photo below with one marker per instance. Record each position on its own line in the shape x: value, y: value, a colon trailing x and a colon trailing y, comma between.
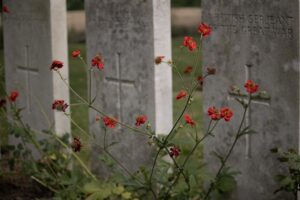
x: 109, y: 122
x: 98, y: 62
x: 190, y: 43
x: 216, y: 114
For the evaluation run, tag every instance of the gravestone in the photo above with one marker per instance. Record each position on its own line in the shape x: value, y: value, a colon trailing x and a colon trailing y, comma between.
x: 258, y: 40
x: 129, y: 35
x: 35, y: 34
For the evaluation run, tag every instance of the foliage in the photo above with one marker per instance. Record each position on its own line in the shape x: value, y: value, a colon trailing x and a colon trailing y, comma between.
x: 186, y: 3
x: 290, y: 180
x: 79, y: 4
x: 75, y: 4
x: 174, y: 173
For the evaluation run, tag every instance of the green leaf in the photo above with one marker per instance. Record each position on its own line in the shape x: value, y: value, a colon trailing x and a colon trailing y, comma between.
x: 118, y: 190
x: 226, y: 183
x: 126, y: 195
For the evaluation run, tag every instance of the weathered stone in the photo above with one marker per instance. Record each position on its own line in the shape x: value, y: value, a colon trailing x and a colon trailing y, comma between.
x: 35, y: 35
x: 258, y: 40
x: 129, y: 34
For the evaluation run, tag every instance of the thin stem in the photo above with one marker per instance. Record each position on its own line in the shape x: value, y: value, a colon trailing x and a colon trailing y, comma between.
x: 237, y: 136
x: 77, y: 157
x: 120, y: 123
x: 44, y: 184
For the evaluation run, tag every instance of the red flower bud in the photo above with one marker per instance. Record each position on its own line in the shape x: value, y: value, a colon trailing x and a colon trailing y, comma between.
x: 188, y: 69
x: 189, y: 120
x: 13, y: 96
x: 174, y: 151
x: 159, y: 59
x: 181, y: 94
x: 140, y: 120
x: 109, y: 122
x: 59, y: 105
x: 98, y: 62
x: 5, y: 9
x: 76, y: 144
x: 56, y: 64
x: 76, y: 53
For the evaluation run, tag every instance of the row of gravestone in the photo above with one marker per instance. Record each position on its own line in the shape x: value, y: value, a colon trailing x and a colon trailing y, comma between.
x: 252, y: 39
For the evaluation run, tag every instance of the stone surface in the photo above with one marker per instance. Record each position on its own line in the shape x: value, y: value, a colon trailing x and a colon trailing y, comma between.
x: 129, y: 35
x: 265, y: 35
x: 35, y: 34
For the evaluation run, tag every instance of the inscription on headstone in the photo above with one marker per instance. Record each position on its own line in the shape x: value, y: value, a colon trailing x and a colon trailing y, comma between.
x: 263, y: 34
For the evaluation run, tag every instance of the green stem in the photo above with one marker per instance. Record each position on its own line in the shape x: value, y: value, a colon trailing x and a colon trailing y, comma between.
x: 76, y: 157
x: 237, y: 136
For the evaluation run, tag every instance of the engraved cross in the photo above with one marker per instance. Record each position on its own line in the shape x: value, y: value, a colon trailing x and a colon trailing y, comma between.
x: 28, y: 71
x: 120, y: 82
x: 260, y: 99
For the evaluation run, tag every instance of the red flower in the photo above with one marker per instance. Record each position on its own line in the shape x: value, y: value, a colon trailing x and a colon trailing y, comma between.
x: 204, y: 29
x: 2, y: 102
x: 251, y: 87
x: 140, y: 120
x: 158, y: 59
x: 76, y: 144
x: 109, y: 122
x: 214, y: 113
x: 181, y: 94
x: 76, y: 53
x: 5, y: 9
x: 174, y: 151
x: 190, y: 43
x: 188, y: 69
x: 56, y: 64
x: 13, y: 96
x: 189, y: 120
x: 200, y: 80
x: 226, y: 113
x: 98, y: 62
x: 59, y: 105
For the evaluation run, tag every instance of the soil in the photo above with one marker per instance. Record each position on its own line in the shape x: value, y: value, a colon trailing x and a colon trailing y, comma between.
x: 15, y: 186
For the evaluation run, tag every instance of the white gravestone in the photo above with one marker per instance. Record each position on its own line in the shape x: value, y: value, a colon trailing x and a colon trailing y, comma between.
x: 35, y: 34
x: 129, y: 35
